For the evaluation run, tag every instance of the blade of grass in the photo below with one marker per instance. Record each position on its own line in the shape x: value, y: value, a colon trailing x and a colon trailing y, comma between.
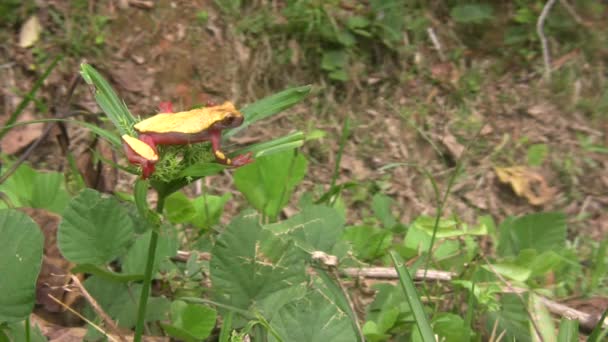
x: 226, y: 329
x: 407, y: 285
x: 599, y: 266
x: 109, y: 136
x: 597, y: 333
x: 28, y: 98
x: 270, y: 105
x: 568, y: 330
x: 470, y: 311
x: 110, y: 103
x: 283, y: 143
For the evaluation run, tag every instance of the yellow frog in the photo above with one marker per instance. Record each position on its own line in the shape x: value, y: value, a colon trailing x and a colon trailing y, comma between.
x: 193, y: 126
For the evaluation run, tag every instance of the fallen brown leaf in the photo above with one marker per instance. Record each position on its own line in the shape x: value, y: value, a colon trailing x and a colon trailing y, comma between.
x: 131, y: 78
x: 526, y: 183
x: 20, y: 136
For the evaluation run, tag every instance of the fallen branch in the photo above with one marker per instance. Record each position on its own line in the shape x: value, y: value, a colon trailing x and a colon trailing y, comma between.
x: 391, y: 273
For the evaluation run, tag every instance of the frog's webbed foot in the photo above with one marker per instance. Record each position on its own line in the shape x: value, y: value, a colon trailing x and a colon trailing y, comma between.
x: 242, y: 159
x: 166, y: 107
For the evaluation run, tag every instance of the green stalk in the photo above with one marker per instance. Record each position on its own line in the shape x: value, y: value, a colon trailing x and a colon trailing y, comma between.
x: 27, y: 329
x: 145, y: 291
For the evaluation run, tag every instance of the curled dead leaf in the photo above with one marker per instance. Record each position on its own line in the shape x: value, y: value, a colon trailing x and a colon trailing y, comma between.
x: 526, y: 183
x: 30, y: 32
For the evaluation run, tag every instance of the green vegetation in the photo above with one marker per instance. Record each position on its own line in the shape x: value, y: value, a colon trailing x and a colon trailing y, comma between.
x: 290, y: 263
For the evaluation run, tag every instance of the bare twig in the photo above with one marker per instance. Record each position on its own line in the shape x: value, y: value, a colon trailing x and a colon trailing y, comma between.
x: 97, y: 308
x: 76, y: 313
x: 436, y: 43
x: 63, y: 114
x: 183, y: 256
x: 540, y: 25
x: 572, y: 12
x: 391, y: 273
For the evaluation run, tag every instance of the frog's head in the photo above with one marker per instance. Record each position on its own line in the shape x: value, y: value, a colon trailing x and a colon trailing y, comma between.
x: 226, y: 116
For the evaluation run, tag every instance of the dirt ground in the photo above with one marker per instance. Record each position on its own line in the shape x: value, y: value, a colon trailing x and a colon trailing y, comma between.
x: 160, y: 53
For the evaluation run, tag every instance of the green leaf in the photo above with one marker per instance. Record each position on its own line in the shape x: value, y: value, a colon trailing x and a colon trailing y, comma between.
x: 312, y: 319
x: 339, y: 75
x: 190, y: 322
x: 268, y: 183
x: 335, y: 291
x: 208, y: 210
x: 134, y: 261
x: 179, y: 208
x: 409, y: 289
x: 95, y: 229
x: 30, y: 188
x: 287, y: 142
x: 249, y: 264
x: 539, y: 231
x: 537, y: 154
x: 450, y: 327
x: 357, y: 22
x: 49, y: 192
x: 20, y: 260
x: 315, y: 228
x: 270, y: 105
x: 121, y: 300
x: 511, y: 318
x: 381, y: 205
x: 106, y: 98
x: 416, y: 242
x: 334, y: 60
x: 510, y: 270
x: 389, y: 21
x: 471, y: 13
x: 568, y: 330
x: 447, y: 228
x: 15, y: 332
x: 369, y: 243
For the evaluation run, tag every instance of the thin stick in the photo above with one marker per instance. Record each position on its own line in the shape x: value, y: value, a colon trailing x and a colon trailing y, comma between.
x: 436, y: 43
x: 95, y: 326
x: 391, y: 273
x: 540, y: 25
x: 97, y: 308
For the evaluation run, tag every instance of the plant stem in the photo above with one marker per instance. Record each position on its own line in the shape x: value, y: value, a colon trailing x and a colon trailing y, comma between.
x: 27, y: 329
x: 145, y: 291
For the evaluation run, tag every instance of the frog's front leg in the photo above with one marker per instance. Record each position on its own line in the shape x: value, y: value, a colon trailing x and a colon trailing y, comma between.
x: 141, y: 152
x: 215, y: 136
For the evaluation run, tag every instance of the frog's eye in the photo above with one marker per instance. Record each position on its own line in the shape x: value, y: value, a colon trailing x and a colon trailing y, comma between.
x: 228, y: 120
